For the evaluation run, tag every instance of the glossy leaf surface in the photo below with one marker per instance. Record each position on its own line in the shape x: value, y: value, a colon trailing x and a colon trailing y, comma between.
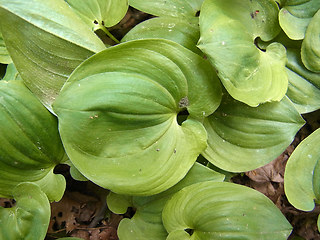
x: 310, y: 51
x: 228, y: 30
x: 213, y: 210
x: 182, y: 31
x: 295, y: 17
x: 47, y: 43
x: 147, y: 223
x: 30, y: 143
x: 302, y: 178
x: 118, y: 115
x: 99, y: 13
x: 4, y: 55
x: 242, y: 138
x: 304, y: 85
x: 173, y: 8
x: 29, y: 219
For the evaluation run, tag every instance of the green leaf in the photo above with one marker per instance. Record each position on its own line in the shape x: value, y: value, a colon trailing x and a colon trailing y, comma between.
x: 242, y: 138
x: 46, y: 41
x: 228, y: 30
x: 310, y: 51
x: 30, y: 143
x: 147, y: 223
x: 173, y: 8
x: 100, y: 13
x: 301, y: 178
x: 185, y: 32
x: 4, y: 55
x: 304, y: 85
x: 117, y: 115
x: 29, y: 219
x: 11, y: 73
x: 295, y: 17
x: 220, y: 210
x: 318, y: 223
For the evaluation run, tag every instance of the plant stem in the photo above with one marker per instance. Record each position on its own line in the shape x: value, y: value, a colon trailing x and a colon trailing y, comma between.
x: 109, y: 34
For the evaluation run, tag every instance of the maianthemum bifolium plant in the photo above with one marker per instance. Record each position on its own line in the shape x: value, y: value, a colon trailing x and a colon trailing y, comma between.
x: 224, y: 79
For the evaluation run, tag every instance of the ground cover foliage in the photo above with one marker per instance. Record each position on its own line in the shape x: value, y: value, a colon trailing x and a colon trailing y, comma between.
x: 159, y: 119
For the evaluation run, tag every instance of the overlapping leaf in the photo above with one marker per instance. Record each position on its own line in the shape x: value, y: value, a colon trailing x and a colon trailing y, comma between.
x: 117, y: 115
x: 29, y: 219
x: 147, y: 223
x: 185, y: 32
x: 310, y: 50
x: 228, y: 30
x: 4, y: 55
x: 213, y: 210
x: 304, y: 85
x: 30, y: 143
x: 100, y: 13
x: 11, y: 73
x: 302, y: 175
x: 295, y: 17
x: 242, y: 138
x: 173, y: 8
x: 47, y: 43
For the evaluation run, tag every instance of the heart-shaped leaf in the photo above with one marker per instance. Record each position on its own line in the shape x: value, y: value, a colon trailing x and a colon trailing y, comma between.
x: 147, y: 222
x: 173, y: 8
x: 242, y: 138
x: 4, y: 55
x: 100, y: 13
x: 29, y: 219
x: 30, y: 143
x: 185, y: 32
x: 304, y: 85
x: 118, y: 115
x: 295, y: 17
x: 228, y: 30
x: 48, y: 41
x: 221, y: 210
x: 302, y: 174
x: 310, y: 50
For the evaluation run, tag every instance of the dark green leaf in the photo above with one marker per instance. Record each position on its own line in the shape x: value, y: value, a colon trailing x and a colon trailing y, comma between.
x: 220, y: 210
x: 29, y: 219
x: 302, y: 178
x: 242, y: 138
x: 30, y: 143
x: 4, y: 55
x: 48, y: 41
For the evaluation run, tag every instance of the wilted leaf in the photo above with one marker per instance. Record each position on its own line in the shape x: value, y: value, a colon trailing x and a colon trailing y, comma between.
x: 30, y: 143
x: 118, y: 115
x: 228, y: 30
x: 242, y: 138
x: 173, y: 8
x: 295, y: 16
x: 147, y: 223
x: 302, y: 178
x: 304, y: 85
x: 29, y: 219
x: 310, y: 51
x: 48, y: 41
x: 213, y: 210
x: 183, y: 31
x: 100, y: 13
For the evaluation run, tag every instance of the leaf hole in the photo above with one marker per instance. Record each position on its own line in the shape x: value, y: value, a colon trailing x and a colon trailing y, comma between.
x: 197, y: 14
x: 182, y: 116
x: 189, y: 231
x: 95, y: 22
